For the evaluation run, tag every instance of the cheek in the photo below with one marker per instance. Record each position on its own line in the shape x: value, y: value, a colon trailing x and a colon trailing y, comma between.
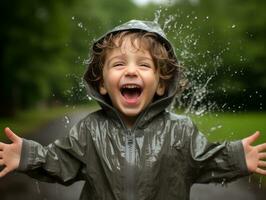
x: 110, y: 80
x: 152, y: 83
x: 152, y: 79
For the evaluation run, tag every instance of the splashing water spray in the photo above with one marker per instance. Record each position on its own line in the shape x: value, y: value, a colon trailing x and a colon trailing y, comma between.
x: 194, y: 100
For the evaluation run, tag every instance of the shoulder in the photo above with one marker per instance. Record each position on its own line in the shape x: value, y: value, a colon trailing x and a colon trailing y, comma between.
x: 95, y: 117
x: 177, y: 128
x: 174, y: 118
x: 97, y: 120
x: 84, y: 122
x: 86, y: 125
x: 180, y: 125
x: 172, y: 122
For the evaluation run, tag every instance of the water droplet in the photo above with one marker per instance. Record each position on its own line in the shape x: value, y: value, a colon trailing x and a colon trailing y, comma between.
x: 38, y: 187
x: 157, y: 15
x: 260, y: 182
x: 200, y: 112
x: 67, y: 119
x: 223, y: 182
x: 212, y: 174
x: 233, y: 26
x: 73, y: 18
x: 80, y: 25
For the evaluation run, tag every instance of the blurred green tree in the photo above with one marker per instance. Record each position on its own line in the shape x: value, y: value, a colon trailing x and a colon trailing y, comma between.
x: 33, y: 36
x: 44, y: 45
x: 42, y: 48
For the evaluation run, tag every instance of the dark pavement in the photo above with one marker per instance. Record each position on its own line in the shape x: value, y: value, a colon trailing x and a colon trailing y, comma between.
x: 17, y: 186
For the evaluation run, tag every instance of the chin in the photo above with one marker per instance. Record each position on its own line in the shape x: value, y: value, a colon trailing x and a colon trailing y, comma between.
x: 131, y: 114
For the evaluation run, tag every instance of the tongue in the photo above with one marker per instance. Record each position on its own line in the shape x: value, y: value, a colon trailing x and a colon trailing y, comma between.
x: 131, y: 95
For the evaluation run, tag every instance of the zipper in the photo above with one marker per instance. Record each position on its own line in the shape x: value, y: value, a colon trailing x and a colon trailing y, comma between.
x: 130, y: 166
x: 130, y: 147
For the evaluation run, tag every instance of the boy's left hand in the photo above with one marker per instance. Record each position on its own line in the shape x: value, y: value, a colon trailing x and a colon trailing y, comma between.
x: 255, y: 155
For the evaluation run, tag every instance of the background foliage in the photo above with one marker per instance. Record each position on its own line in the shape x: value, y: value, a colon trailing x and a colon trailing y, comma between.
x: 44, y: 47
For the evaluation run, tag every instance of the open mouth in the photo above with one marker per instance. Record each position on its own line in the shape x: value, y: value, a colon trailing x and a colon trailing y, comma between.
x: 131, y: 92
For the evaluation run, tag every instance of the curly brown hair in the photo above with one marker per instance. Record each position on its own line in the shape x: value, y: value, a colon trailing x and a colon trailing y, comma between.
x: 166, y: 64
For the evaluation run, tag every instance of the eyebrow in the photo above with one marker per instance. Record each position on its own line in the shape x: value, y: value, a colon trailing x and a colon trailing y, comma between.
x: 145, y: 58
x: 123, y: 58
x: 114, y: 57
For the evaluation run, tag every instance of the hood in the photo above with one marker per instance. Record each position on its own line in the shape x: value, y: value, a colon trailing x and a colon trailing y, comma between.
x: 158, y: 105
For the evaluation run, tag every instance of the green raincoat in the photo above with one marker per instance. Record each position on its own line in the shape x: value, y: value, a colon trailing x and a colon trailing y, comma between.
x: 159, y: 158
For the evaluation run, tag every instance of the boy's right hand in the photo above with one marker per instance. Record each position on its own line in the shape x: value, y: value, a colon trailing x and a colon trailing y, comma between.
x: 10, y: 153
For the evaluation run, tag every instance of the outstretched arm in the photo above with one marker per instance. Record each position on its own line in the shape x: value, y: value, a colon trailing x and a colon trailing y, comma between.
x: 10, y: 153
x: 255, y: 155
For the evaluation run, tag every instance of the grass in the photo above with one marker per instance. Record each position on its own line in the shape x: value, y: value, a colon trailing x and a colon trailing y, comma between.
x: 232, y: 126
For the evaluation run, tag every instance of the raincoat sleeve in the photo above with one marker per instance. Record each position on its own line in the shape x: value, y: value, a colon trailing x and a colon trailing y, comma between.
x: 60, y: 161
x: 215, y: 162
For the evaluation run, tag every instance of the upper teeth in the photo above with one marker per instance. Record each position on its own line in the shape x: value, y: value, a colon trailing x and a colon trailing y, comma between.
x: 130, y: 86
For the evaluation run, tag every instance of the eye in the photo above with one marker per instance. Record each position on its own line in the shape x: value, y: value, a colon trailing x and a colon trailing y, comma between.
x: 145, y: 65
x: 118, y: 64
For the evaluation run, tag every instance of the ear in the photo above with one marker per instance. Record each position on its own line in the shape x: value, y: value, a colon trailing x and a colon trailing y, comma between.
x: 102, y: 89
x: 160, y: 89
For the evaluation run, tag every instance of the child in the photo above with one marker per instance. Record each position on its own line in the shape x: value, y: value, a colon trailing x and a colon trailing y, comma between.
x: 133, y: 148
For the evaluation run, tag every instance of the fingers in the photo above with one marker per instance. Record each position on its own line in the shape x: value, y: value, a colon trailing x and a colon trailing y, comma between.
x: 262, y: 155
x: 12, y: 136
x: 260, y: 171
x: 262, y: 163
x: 261, y: 147
x: 4, y: 172
x: 253, y: 137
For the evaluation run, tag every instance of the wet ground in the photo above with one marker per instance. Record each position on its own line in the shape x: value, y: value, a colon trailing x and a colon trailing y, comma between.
x: 17, y: 186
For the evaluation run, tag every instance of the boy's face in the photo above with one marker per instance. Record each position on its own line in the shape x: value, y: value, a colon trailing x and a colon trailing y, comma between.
x: 130, y: 79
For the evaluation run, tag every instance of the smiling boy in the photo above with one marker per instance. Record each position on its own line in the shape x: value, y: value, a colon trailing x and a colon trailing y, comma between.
x: 133, y: 148
x: 130, y: 78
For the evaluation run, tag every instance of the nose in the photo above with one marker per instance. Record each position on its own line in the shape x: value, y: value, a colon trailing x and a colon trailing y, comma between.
x: 131, y: 70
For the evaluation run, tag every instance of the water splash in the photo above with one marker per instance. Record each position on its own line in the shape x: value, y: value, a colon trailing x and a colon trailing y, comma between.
x: 79, y: 24
x: 77, y: 93
x: 66, y: 121
x: 157, y: 15
x: 214, y: 128
x: 203, y: 67
x: 167, y: 22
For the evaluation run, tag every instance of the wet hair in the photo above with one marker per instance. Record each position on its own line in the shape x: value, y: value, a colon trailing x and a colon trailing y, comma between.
x: 166, y: 64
